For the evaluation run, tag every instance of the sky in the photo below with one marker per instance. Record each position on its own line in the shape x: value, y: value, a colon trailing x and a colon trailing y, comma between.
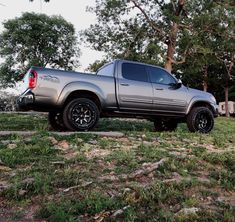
x: 73, y: 11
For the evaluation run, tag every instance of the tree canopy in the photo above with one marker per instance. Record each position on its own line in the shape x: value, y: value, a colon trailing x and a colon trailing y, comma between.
x: 36, y: 40
x: 155, y: 31
x: 211, y: 63
x: 150, y: 29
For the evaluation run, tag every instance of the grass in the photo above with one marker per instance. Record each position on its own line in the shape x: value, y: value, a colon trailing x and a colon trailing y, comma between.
x: 23, y: 122
x: 65, y: 183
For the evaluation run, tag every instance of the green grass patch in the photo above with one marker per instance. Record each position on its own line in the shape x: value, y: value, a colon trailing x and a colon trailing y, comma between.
x: 23, y: 122
x: 37, y: 151
x: 72, y: 209
x: 41, y: 172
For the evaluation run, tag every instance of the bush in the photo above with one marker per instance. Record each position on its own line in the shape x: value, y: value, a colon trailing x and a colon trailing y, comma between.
x: 7, y: 102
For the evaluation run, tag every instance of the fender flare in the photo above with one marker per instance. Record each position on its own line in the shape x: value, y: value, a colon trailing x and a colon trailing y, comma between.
x: 80, y: 86
x: 196, y: 100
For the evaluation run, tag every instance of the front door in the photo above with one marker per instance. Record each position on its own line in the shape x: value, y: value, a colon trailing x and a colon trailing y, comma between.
x: 166, y: 97
x: 134, y: 88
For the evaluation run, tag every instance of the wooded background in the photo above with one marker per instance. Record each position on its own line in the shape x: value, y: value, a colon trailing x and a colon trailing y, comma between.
x: 195, y: 40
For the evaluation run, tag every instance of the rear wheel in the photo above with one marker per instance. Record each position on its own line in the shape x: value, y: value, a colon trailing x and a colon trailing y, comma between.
x: 55, y: 120
x: 165, y: 125
x: 200, y: 119
x: 81, y: 114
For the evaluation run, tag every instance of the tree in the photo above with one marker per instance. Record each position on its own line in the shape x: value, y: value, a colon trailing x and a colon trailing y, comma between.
x: 96, y: 65
x: 213, y: 46
x: 36, y: 40
x: 144, y: 25
x: 132, y: 27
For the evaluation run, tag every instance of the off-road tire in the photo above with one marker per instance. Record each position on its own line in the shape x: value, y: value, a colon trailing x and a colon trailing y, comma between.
x: 80, y: 114
x: 55, y: 120
x: 200, y: 119
x: 165, y: 125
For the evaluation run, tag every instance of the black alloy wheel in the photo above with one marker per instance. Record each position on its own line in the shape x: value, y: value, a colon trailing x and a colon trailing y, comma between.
x: 200, y: 119
x: 81, y: 114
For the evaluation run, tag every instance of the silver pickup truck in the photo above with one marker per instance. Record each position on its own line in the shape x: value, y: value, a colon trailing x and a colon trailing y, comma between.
x: 75, y: 101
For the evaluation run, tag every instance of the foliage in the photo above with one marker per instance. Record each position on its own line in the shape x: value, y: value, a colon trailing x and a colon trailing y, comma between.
x: 96, y: 65
x: 36, y: 40
x: 7, y: 101
x: 212, y: 49
x: 136, y: 30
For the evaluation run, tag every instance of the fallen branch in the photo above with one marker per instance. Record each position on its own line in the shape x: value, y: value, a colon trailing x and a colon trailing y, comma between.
x: 119, y: 212
x: 78, y: 186
x: 146, y: 168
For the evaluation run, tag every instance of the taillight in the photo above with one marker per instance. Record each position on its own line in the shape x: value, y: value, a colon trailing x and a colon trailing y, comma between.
x: 33, y: 79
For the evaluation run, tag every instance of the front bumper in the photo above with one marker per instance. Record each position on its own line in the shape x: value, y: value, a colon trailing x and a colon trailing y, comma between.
x: 25, y: 101
x: 215, y: 109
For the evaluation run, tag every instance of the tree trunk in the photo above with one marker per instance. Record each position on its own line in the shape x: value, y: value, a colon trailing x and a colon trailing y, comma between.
x: 229, y: 78
x: 171, y: 41
x: 226, y: 102
x: 205, y: 79
x: 171, y: 44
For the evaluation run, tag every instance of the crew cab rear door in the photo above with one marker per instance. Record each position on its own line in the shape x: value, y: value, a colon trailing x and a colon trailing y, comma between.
x: 166, y: 97
x: 134, y: 89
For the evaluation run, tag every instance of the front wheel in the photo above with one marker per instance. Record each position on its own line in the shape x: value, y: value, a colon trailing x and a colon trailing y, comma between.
x: 80, y: 114
x: 200, y: 119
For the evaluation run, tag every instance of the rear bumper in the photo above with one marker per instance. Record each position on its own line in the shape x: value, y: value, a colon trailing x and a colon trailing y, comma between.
x: 25, y: 101
x: 28, y: 101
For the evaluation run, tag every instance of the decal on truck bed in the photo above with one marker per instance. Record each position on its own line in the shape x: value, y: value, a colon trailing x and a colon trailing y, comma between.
x: 50, y: 78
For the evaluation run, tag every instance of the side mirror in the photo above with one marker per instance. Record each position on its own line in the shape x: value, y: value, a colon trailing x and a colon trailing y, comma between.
x: 179, y: 84
x: 176, y: 85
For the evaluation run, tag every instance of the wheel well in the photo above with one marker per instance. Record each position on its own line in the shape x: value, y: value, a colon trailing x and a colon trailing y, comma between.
x: 202, y: 104
x: 83, y: 94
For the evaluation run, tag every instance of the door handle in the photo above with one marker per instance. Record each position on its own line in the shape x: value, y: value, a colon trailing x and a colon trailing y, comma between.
x: 159, y: 88
x: 124, y: 84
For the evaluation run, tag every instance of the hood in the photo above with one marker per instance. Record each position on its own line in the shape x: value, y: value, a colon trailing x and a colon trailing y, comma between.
x: 201, y: 94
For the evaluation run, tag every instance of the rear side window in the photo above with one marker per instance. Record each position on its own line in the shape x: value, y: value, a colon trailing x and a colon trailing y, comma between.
x: 160, y: 76
x: 106, y: 70
x: 135, y: 72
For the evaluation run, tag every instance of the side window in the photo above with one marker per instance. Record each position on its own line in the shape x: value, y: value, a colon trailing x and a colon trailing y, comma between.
x: 135, y: 72
x: 106, y: 70
x: 160, y: 76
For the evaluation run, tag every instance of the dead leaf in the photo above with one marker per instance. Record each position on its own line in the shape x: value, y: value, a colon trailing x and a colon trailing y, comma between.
x: 11, y: 146
x: 63, y: 144
x: 52, y: 140
x: 5, y: 168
